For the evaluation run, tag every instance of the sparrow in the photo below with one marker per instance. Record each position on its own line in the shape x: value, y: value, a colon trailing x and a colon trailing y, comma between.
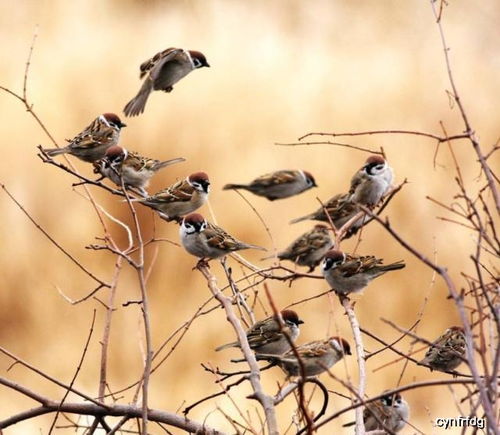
x: 447, y: 352
x: 310, y: 248
x: 181, y: 198
x: 278, y: 185
x: 267, y: 337
x: 162, y: 72
x: 135, y: 170
x: 316, y: 356
x: 340, y: 210
x: 91, y: 144
x: 371, y: 182
x: 390, y: 414
x: 349, y: 273
x: 208, y: 241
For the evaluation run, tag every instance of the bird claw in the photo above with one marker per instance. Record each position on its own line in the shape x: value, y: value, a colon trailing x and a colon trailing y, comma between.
x: 202, y: 263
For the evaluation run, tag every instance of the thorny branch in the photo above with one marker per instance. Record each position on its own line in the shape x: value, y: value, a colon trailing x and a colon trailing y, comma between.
x: 471, y: 212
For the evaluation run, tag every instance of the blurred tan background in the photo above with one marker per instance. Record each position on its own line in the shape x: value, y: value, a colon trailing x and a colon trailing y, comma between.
x: 279, y: 70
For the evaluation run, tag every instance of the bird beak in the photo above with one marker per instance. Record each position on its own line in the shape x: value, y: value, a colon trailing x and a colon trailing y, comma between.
x: 122, y: 125
x: 300, y: 322
x: 207, y: 65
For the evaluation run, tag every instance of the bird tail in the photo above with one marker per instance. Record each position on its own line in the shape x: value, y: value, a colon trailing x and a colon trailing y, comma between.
x: 55, y: 151
x: 137, y: 104
x: 271, y: 256
x: 267, y: 357
x: 394, y: 266
x: 248, y: 246
x: 166, y: 163
x: 226, y: 346
x: 235, y: 186
x: 141, y: 200
x: 300, y: 219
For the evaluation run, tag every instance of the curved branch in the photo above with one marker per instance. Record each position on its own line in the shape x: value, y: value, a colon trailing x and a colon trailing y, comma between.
x: 128, y: 411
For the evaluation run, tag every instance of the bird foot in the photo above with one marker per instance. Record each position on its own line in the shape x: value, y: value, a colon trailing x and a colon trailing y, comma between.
x: 202, y: 263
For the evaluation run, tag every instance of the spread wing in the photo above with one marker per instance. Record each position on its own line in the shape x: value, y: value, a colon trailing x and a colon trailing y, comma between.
x: 159, y: 60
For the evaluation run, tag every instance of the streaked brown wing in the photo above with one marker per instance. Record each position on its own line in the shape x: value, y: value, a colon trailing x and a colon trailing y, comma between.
x: 275, y: 178
x: 356, y: 180
x: 355, y: 264
x: 162, y: 57
x: 179, y: 192
x: 139, y: 162
x: 218, y: 238
x: 90, y: 140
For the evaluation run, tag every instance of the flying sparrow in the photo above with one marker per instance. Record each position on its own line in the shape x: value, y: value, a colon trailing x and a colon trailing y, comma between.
x: 390, y: 413
x: 278, y: 185
x: 340, y: 210
x: 162, y: 72
x: 208, y: 241
x: 267, y: 337
x: 310, y: 248
x: 371, y: 182
x: 349, y: 273
x: 91, y: 144
x: 316, y: 356
x: 181, y: 198
x: 135, y: 170
x: 447, y: 352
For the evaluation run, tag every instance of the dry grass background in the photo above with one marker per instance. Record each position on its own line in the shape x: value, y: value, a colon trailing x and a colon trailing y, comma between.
x: 279, y: 69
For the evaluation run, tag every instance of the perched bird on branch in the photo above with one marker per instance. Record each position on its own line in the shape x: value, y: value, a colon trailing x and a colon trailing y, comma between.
x: 448, y: 351
x: 135, y: 170
x: 310, y: 248
x: 316, y: 357
x: 339, y: 210
x: 390, y: 414
x: 372, y: 182
x: 162, y: 72
x: 181, y: 198
x: 278, y: 185
x: 208, y: 241
x: 91, y: 144
x: 349, y: 273
x: 267, y: 336
x: 368, y: 186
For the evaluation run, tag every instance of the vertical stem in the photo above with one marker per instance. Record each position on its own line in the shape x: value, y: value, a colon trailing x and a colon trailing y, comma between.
x: 360, y: 356
x: 139, y: 267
